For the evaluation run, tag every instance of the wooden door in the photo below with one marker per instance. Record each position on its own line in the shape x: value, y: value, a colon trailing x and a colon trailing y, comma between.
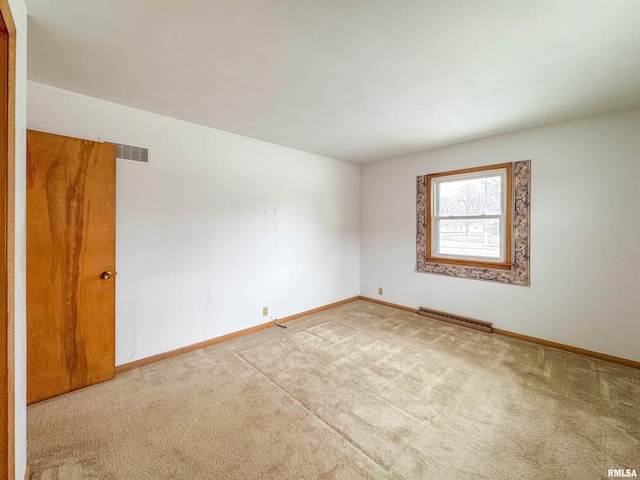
x: 70, y: 264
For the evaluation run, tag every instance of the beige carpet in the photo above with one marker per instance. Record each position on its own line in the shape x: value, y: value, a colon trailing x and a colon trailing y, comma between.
x: 361, y: 391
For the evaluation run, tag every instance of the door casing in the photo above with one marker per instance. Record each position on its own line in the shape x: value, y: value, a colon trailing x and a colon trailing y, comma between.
x: 7, y: 240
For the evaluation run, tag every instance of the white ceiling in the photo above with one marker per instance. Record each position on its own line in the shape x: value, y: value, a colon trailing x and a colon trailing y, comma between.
x: 350, y: 79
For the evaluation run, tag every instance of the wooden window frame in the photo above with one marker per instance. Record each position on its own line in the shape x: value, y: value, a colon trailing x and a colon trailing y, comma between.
x: 507, y: 264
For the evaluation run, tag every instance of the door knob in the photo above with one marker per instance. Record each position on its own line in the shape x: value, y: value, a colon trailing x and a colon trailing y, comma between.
x: 106, y: 275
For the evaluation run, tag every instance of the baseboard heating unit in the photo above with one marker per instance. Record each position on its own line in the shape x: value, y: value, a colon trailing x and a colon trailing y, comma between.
x: 456, y: 319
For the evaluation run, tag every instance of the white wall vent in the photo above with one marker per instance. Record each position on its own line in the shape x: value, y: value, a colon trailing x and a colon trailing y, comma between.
x: 138, y: 154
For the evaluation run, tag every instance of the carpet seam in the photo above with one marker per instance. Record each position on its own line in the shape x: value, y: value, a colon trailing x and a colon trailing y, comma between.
x: 388, y: 383
x: 347, y: 359
x: 412, y: 349
x: 416, y: 419
x: 349, y: 441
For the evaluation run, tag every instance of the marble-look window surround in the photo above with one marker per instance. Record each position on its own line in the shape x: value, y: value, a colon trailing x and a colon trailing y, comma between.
x: 519, y: 273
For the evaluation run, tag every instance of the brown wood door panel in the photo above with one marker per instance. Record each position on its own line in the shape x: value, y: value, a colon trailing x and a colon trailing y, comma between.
x: 70, y: 242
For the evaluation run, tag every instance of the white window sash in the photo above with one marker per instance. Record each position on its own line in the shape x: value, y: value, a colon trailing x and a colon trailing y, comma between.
x: 469, y: 217
x: 435, y: 230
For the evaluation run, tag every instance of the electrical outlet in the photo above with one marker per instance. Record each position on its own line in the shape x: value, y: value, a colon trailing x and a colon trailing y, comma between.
x: 265, y: 311
x: 379, y: 290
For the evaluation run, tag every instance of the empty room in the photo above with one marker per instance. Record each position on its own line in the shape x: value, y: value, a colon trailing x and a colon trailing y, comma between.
x: 320, y: 239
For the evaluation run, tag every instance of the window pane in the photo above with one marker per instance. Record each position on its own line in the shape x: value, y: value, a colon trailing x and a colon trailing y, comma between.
x: 475, y: 196
x: 470, y: 238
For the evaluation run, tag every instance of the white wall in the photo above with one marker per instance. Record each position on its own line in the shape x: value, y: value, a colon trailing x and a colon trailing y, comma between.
x: 585, y: 256
x: 19, y: 13
x: 218, y: 227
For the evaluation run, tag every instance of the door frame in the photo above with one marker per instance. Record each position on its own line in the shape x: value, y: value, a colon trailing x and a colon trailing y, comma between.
x: 7, y: 240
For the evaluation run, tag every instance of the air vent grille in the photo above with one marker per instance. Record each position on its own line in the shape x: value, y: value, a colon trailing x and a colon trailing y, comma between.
x: 131, y: 153
x: 456, y: 319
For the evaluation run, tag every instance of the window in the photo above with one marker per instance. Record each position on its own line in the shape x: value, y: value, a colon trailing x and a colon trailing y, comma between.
x: 504, y: 256
x: 469, y: 217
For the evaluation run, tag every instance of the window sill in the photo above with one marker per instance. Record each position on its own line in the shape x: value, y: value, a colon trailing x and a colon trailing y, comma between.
x: 471, y: 263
